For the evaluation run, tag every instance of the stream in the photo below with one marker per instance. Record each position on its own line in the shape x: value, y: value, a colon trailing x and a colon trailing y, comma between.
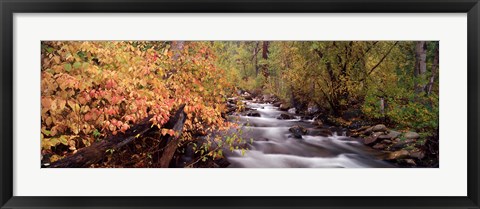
x: 274, y: 146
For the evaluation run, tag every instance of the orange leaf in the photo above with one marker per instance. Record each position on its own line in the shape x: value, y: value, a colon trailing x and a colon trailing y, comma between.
x: 46, y: 102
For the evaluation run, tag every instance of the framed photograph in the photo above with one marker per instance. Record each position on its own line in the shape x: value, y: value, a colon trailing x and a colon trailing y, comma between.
x: 239, y: 104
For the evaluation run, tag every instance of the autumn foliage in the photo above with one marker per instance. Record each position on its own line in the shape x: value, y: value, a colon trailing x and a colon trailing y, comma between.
x: 94, y: 89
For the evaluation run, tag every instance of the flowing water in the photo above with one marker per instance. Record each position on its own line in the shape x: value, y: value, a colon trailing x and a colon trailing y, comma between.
x: 274, y: 147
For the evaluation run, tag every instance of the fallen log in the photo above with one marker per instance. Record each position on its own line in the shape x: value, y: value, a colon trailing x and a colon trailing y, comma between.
x: 173, y: 141
x: 87, y: 156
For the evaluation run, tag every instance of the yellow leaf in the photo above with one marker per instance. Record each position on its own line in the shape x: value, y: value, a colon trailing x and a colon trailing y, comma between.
x: 48, y: 121
x: 71, y: 104
x: 56, y: 59
x: 164, y: 131
x: 61, y: 104
x: 54, y: 158
x: 85, y: 109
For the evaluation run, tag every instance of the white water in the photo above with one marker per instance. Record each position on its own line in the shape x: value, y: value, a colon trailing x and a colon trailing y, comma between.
x: 274, y: 147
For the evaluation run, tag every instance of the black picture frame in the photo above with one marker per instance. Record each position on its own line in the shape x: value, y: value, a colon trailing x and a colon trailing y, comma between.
x: 9, y: 7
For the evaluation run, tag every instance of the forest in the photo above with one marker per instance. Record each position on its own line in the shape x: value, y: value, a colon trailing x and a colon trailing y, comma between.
x: 239, y: 104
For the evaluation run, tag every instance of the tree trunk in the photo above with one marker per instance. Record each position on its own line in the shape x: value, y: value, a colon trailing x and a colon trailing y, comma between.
x: 245, y: 74
x: 434, y: 70
x: 420, y: 64
x: 255, y: 63
x: 382, y: 106
x: 177, y: 46
x: 265, y: 52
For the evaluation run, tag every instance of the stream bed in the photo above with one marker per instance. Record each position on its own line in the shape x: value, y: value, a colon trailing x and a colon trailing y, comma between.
x: 272, y: 145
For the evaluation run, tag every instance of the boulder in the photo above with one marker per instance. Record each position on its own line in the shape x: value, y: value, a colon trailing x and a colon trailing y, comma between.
x: 284, y: 116
x: 383, y: 136
x: 277, y: 104
x: 401, y: 154
x: 307, y: 117
x: 253, y: 114
x: 268, y: 98
x: 377, y: 134
x: 297, y: 131
x: 393, y: 134
x: 320, y: 132
x: 369, y: 140
x: 372, y: 138
x: 417, y: 154
x: 407, y: 161
x: 318, y: 122
x: 232, y: 100
x: 398, y: 144
x: 312, y: 109
x: 367, y: 131
x: 274, y: 99
x: 387, y: 141
x: 338, y: 130
x: 379, y: 146
x: 231, y: 108
x: 379, y: 128
x: 329, y: 120
x: 256, y: 92
x: 284, y: 107
x: 292, y: 110
x: 411, y: 135
x: 247, y: 96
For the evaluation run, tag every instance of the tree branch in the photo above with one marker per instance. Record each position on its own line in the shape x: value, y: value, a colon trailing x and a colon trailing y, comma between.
x: 381, y: 60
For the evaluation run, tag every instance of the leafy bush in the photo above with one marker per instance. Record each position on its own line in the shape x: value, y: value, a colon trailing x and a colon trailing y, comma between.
x: 92, y: 89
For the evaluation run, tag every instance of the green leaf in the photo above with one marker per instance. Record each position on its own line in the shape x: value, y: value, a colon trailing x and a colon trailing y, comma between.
x: 46, y: 132
x: 110, y: 151
x: 67, y: 67
x: 96, y: 133
x: 77, y: 65
x: 49, y: 49
x: 81, y: 54
x: 63, y: 140
x: 50, y: 70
